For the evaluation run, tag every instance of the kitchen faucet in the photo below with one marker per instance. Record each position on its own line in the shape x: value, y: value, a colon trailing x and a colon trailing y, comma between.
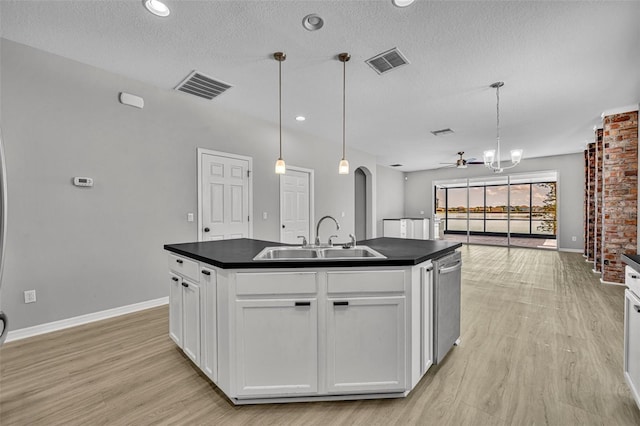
x: 318, y: 227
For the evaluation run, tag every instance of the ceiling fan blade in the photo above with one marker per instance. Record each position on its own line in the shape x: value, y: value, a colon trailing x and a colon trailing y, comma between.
x: 475, y: 162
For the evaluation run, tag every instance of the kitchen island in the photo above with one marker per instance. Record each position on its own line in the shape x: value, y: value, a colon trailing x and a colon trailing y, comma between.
x: 305, y: 329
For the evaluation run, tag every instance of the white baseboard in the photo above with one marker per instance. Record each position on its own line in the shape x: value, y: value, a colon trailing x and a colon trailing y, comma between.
x: 611, y: 283
x: 36, y: 330
x: 571, y: 250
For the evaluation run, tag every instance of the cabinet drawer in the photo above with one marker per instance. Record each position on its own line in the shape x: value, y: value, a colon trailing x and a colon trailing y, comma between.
x: 185, y: 267
x: 632, y: 279
x: 262, y: 283
x: 365, y: 282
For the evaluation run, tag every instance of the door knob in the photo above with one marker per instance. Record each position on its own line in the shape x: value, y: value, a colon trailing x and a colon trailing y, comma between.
x: 282, y: 226
x: 206, y: 229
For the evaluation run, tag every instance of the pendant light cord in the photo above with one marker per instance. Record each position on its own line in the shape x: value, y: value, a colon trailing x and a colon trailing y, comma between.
x: 344, y: 85
x: 498, y: 124
x: 280, y: 102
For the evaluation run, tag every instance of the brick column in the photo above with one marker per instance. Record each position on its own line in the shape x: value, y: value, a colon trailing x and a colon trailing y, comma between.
x: 597, y: 195
x: 620, y: 192
x: 589, y: 199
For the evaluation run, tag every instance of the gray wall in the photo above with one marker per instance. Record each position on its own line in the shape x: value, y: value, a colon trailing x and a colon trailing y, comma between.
x: 391, y: 195
x: 87, y: 250
x: 570, y: 168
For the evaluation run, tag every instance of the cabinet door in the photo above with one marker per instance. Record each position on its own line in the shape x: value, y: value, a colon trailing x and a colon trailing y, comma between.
x: 175, y: 309
x: 276, y: 347
x: 208, y: 323
x: 191, y: 321
x: 426, y: 319
x: 632, y: 343
x: 366, y: 345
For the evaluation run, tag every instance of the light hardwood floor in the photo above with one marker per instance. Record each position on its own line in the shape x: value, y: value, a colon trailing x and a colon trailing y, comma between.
x: 541, y: 344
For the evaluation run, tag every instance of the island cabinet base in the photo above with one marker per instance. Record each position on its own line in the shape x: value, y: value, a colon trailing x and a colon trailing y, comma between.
x: 308, y: 334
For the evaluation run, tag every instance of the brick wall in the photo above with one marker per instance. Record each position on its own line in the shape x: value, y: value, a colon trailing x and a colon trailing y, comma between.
x: 620, y: 192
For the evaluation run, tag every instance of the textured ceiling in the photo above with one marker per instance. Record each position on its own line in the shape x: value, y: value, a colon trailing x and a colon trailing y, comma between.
x: 563, y: 64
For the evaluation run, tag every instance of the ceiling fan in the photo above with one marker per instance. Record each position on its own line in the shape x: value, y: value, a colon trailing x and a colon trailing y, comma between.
x: 461, y: 163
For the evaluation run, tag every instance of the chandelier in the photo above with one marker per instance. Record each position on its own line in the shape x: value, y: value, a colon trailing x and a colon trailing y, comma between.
x: 492, y: 156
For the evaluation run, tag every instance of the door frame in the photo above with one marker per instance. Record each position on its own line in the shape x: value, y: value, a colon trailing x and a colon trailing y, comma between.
x: 312, y: 221
x: 204, y: 151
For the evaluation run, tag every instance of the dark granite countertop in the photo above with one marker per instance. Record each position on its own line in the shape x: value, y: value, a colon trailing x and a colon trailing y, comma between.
x: 239, y: 253
x: 632, y: 260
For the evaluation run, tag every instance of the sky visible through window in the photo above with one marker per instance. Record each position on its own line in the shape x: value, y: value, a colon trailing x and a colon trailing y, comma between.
x: 497, y: 195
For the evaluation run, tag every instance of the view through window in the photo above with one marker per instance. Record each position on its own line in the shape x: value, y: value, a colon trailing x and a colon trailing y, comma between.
x: 515, y: 210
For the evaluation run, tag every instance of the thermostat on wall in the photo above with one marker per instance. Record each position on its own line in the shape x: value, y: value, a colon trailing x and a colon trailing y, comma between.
x: 82, y: 181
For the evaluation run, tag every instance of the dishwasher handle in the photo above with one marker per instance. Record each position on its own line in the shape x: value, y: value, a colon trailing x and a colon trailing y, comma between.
x: 456, y: 266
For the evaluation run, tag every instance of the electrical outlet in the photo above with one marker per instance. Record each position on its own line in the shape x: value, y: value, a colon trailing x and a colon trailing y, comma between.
x: 29, y: 296
x: 265, y: 216
x: 190, y: 217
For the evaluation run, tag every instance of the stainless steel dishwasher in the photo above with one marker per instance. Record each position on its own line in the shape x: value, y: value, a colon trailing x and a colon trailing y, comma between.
x: 447, y: 279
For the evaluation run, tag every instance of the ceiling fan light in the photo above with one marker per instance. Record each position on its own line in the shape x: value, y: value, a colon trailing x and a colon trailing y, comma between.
x: 489, y: 156
x: 281, y: 168
x: 157, y: 7
x: 343, y: 167
x: 516, y: 156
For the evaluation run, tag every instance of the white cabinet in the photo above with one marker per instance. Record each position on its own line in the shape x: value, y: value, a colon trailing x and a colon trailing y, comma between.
x: 184, y: 316
x: 184, y: 306
x: 208, y: 323
x: 366, y: 345
x: 191, y: 321
x: 632, y: 343
x: 417, y: 229
x: 175, y: 309
x: 276, y: 347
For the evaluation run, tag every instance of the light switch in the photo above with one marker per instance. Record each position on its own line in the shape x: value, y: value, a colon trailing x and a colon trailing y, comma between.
x: 189, y: 217
x: 264, y: 215
x: 342, y: 214
x: 421, y: 211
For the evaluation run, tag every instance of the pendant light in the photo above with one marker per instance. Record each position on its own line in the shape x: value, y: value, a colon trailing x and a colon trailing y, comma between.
x: 492, y: 157
x: 343, y: 167
x: 281, y: 168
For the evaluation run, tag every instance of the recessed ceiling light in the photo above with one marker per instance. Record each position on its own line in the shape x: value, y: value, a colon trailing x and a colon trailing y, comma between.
x: 312, y: 22
x: 300, y: 118
x: 401, y: 3
x: 157, y: 8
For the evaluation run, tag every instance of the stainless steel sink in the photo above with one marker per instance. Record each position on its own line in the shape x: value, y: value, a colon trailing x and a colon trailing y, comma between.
x: 318, y: 253
x: 350, y: 253
x: 286, y: 253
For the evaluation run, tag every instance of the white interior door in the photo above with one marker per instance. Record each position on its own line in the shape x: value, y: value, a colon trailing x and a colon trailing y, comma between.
x: 296, y: 205
x: 224, y: 196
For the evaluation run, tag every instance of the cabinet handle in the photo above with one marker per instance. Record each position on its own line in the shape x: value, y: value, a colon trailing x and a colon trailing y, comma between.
x: 345, y: 303
x: 175, y: 279
x: 637, y: 308
x: 180, y: 261
x: 634, y: 276
x: 205, y: 272
x: 303, y: 303
x: 185, y: 285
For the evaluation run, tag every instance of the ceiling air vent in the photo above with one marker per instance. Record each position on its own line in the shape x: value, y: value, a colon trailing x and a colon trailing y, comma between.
x: 442, y: 132
x: 203, y: 86
x: 387, y: 61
